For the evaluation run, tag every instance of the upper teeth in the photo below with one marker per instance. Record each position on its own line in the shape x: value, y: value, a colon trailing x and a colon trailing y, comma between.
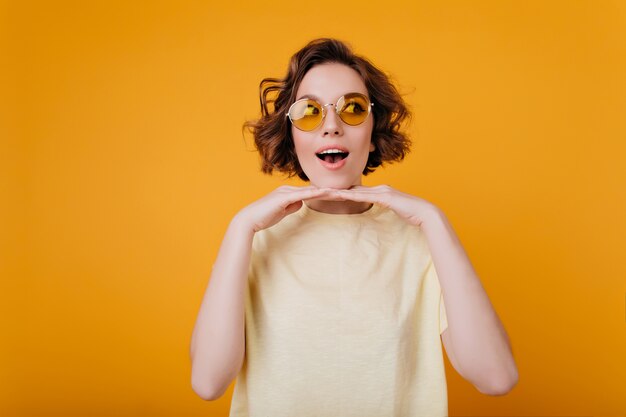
x: 332, y: 151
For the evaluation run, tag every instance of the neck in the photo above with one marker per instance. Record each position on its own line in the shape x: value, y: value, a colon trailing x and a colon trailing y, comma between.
x: 338, y: 207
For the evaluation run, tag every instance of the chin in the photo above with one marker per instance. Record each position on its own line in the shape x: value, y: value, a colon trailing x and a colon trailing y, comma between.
x: 336, y: 183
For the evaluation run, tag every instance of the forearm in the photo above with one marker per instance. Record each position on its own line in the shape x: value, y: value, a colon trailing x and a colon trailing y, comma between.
x: 218, y: 341
x: 479, y: 340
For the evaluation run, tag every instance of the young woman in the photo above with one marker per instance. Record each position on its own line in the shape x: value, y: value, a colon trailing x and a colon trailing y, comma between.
x: 330, y: 299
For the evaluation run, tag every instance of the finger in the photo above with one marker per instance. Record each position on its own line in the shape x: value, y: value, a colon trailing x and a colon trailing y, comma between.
x: 328, y: 197
x: 359, y: 196
x: 303, y: 194
x: 328, y: 194
x: 362, y: 189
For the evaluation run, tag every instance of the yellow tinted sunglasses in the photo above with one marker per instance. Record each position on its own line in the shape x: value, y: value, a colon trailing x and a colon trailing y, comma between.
x: 307, y: 114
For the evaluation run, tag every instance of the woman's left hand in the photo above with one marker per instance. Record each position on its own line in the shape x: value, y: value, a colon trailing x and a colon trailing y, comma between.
x: 412, y: 209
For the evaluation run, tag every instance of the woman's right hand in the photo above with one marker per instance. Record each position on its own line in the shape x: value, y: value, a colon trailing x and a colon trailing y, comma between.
x: 283, y: 201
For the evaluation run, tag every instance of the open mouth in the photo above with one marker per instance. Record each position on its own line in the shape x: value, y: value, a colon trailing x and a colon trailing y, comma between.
x: 332, y: 157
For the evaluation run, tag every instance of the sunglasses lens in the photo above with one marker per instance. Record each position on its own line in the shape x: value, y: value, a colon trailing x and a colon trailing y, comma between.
x: 353, y: 108
x: 305, y: 114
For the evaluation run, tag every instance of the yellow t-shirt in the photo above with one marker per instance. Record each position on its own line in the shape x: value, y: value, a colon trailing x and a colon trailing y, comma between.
x: 343, y: 318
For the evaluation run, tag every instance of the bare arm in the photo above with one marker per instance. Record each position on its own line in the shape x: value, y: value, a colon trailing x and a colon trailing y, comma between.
x: 475, y: 337
x: 475, y: 341
x: 218, y: 340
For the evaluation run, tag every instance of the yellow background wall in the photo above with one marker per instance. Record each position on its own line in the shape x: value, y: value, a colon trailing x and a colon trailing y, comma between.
x: 122, y: 162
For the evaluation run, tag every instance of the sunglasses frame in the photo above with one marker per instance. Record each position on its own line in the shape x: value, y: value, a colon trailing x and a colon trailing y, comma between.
x: 369, y: 110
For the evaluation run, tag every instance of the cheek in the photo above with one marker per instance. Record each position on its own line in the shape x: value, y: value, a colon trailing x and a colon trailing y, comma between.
x: 300, y: 147
x: 366, y: 141
x: 297, y: 141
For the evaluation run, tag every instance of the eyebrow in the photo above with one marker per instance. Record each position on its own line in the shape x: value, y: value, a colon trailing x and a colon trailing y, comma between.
x: 308, y: 96
x: 314, y: 97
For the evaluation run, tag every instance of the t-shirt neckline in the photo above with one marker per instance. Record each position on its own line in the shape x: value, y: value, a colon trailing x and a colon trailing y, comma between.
x: 305, y: 210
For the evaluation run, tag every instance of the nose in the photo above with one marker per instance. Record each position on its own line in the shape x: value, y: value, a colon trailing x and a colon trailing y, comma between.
x: 332, y: 123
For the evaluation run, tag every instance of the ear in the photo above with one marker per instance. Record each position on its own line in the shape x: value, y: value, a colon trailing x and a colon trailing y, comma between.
x: 372, y: 146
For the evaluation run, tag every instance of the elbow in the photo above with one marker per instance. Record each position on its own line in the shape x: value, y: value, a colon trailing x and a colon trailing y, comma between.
x: 208, y: 384
x: 207, y: 393
x: 501, y: 385
x: 205, y: 390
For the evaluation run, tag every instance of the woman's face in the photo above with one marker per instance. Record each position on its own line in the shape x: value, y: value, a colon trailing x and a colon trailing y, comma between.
x: 326, y: 83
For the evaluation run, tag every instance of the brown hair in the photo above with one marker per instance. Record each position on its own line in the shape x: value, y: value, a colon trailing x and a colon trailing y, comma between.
x: 272, y: 132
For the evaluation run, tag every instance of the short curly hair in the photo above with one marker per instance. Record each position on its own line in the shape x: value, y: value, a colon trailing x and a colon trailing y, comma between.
x: 272, y: 132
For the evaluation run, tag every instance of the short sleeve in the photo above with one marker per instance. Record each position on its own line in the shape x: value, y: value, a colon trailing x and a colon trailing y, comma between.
x: 443, y: 319
x: 437, y: 292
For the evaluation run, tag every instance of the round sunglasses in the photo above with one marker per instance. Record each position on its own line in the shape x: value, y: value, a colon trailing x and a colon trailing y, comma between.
x: 307, y: 114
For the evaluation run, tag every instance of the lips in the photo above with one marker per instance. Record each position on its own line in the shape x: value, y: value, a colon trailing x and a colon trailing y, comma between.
x: 332, y: 158
x: 341, y: 148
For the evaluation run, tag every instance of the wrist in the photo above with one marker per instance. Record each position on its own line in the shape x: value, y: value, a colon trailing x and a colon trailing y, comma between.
x: 432, y: 216
x: 240, y: 223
